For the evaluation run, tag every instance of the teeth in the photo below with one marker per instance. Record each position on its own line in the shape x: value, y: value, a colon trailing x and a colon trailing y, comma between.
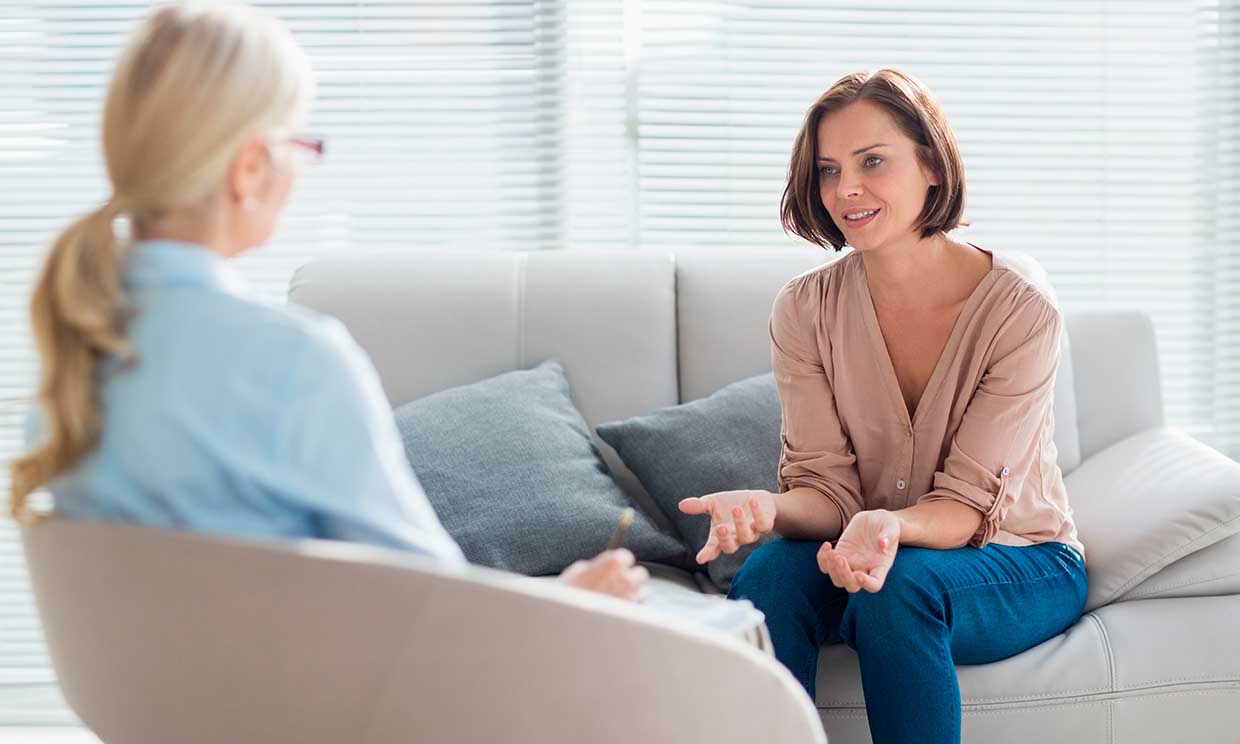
x: 860, y: 215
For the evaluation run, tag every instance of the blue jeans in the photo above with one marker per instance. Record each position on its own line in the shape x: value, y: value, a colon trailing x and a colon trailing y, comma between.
x: 938, y: 608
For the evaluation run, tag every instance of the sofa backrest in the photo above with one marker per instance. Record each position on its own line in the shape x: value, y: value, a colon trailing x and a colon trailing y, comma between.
x: 635, y: 331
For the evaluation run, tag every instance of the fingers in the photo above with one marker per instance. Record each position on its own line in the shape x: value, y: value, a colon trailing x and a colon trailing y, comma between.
x: 613, y: 572
x: 572, y: 574
x: 628, y: 583
x: 744, y: 526
x: 709, y: 551
x: 727, y: 538
x: 886, y: 544
x: 730, y: 528
x: 622, y: 581
x: 620, y: 557
x: 763, y: 520
x: 867, y: 582
x: 848, y: 577
x: 695, y: 505
x: 721, y: 530
x: 880, y: 574
x: 835, y: 565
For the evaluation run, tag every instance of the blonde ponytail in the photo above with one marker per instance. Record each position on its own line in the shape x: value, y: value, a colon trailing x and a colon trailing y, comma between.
x: 195, y: 82
x: 78, y: 311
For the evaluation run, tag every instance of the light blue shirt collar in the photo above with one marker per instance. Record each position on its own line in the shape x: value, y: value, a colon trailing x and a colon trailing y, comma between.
x: 163, y: 263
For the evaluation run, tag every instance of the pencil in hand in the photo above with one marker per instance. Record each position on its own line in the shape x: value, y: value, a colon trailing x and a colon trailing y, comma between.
x: 626, y: 521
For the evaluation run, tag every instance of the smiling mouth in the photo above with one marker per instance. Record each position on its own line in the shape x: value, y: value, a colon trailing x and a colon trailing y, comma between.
x: 864, y: 216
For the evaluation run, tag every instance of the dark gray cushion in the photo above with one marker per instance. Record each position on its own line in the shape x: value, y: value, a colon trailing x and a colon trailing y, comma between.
x: 725, y: 442
x: 510, y: 468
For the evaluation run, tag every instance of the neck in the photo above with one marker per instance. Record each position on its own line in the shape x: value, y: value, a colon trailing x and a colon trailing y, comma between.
x: 188, y: 229
x: 907, y: 269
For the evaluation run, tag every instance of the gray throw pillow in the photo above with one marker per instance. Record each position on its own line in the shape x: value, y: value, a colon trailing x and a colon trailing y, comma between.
x: 725, y: 442
x: 510, y: 468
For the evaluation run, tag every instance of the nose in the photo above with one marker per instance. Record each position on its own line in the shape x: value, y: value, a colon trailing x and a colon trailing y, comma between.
x: 848, y: 187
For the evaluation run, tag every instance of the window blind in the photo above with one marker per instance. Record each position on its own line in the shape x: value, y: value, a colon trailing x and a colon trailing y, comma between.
x: 445, y: 127
x: 1100, y: 137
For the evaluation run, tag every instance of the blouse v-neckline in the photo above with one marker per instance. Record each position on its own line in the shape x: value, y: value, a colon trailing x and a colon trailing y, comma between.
x: 887, y: 368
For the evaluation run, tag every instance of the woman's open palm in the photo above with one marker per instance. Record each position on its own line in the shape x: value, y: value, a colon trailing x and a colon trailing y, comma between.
x: 737, y: 518
x: 864, y: 552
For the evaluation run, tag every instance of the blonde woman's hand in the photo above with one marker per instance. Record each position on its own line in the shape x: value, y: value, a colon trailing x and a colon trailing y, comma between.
x: 864, y: 553
x: 736, y: 518
x: 613, y: 572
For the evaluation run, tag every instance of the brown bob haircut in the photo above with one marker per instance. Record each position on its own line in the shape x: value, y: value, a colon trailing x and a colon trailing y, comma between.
x: 917, y: 114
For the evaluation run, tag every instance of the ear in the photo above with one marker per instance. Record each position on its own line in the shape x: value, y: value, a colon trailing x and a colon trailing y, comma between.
x: 247, y: 172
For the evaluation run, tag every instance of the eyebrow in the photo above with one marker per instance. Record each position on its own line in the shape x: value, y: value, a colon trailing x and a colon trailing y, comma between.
x: 857, y: 152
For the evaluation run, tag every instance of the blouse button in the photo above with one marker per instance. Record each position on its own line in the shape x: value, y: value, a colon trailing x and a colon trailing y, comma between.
x: 900, y: 485
x: 1006, y: 471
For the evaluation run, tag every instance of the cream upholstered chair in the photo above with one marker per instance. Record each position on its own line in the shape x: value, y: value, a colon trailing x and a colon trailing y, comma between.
x: 160, y: 637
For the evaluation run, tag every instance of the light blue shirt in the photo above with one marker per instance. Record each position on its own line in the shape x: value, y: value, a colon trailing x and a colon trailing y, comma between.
x: 245, y: 419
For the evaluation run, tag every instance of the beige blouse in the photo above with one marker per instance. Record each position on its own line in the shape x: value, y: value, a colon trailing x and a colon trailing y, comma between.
x: 981, y: 433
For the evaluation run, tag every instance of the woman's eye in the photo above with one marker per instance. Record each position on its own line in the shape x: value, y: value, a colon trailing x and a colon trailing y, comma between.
x: 826, y: 170
x: 873, y: 157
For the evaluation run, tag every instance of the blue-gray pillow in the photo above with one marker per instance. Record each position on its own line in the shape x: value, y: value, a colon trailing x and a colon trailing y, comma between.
x: 511, y: 470
x: 725, y: 442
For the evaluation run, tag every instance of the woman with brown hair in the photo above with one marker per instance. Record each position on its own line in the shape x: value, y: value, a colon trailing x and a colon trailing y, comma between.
x: 923, y: 515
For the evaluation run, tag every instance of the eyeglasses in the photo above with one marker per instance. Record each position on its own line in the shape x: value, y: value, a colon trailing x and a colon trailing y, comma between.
x: 307, y: 150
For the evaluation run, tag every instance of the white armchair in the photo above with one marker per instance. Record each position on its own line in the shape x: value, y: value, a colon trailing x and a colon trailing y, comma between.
x: 160, y: 637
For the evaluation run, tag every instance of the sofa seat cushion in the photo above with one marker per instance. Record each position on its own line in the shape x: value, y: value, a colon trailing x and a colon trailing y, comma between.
x: 1122, y: 668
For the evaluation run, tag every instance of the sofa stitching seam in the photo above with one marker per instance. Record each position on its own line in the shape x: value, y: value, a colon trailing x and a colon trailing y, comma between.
x: 1225, y: 685
x: 1110, y: 655
x: 1203, y: 679
x: 1157, y: 589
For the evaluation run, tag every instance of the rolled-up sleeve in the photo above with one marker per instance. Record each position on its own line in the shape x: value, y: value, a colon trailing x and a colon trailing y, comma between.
x: 997, y: 444
x: 816, y: 451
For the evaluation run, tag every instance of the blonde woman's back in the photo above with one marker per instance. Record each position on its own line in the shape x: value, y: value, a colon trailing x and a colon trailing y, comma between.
x: 245, y: 419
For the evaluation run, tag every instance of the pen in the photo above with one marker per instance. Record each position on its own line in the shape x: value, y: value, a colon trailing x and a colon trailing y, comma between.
x: 626, y: 520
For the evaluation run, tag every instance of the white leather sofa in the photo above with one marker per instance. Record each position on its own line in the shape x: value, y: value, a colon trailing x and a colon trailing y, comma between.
x: 1156, y: 659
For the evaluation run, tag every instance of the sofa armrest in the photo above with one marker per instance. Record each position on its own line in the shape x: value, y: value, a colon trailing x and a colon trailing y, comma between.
x: 1147, y: 501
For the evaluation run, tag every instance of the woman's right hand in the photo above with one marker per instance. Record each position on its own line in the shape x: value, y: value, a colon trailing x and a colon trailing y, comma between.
x: 612, y: 572
x: 736, y: 518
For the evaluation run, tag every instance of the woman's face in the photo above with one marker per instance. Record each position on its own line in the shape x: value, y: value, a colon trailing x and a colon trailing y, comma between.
x: 866, y: 163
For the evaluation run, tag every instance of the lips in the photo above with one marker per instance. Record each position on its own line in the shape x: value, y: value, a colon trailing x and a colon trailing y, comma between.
x: 873, y: 213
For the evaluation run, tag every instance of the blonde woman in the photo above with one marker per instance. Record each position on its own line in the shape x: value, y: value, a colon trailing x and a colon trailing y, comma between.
x: 169, y: 395
x: 923, y: 516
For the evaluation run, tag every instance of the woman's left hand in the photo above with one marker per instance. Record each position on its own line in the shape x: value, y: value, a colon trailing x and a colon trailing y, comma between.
x: 864, y: 553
